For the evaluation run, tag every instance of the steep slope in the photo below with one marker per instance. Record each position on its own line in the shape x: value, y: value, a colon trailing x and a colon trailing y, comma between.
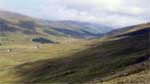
x: 138, y: 78
x: 127, y: 29
x: 115, y: 56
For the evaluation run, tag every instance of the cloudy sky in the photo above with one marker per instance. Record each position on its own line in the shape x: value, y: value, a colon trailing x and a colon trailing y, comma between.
x: 116, y: 13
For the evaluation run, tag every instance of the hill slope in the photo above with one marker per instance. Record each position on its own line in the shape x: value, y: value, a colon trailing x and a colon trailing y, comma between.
x: 116, y: 56
x: 24, y: 28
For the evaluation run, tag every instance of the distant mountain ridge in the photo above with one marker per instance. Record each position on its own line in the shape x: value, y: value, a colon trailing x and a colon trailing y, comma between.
x: 93, y: 27
x: 14, y: 22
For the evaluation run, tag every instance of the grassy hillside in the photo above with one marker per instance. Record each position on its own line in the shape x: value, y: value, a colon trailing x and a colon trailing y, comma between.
x: 138, y: 78
x: 114, y: 59
x: 128, y: 29
x: 22, y: 28
x: 117, y: 56
x: 27, y: 53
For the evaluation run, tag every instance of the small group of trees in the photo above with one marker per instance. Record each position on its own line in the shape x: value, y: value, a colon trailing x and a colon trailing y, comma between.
x: 42, y: 40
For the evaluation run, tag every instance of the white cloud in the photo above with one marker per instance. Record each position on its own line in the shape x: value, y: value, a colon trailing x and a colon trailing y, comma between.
x: 112, y: 12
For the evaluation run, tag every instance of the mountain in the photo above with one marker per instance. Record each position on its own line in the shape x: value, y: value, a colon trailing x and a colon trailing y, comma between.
x: 120, y: 54
x: 117, y: 55
x: 92, y: 27
x: 127, y: 29
x: 15, y: 25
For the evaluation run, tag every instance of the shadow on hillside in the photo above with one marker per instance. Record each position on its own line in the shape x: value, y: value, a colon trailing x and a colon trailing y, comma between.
x: 110, y: 59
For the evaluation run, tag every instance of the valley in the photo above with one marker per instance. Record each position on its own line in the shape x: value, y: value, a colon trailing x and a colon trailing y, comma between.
x: 40, y: 51
x: 21, y: 54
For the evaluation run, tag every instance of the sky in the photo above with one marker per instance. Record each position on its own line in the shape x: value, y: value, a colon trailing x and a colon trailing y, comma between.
x: 116, y: 13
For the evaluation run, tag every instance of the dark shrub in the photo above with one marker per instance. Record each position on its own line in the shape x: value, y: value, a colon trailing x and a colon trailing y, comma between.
x: 42, y: 40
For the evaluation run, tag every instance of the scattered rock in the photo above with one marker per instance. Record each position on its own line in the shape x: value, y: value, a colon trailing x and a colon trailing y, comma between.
x: 9, y: 50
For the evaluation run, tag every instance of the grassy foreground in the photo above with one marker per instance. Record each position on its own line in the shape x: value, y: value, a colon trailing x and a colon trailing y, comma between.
x: 138, y: 78
x: 27, y: 53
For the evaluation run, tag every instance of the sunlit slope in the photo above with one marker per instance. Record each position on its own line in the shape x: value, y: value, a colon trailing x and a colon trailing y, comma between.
x: 27, y: 53
x: 138, y: 78
x: 116, y: 56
